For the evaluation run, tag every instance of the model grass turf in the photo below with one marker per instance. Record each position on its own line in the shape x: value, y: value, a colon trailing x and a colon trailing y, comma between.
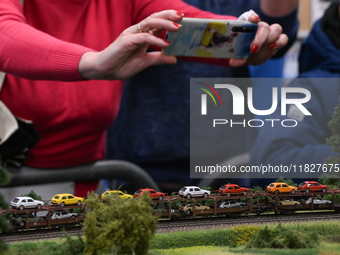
x: 171, y: 243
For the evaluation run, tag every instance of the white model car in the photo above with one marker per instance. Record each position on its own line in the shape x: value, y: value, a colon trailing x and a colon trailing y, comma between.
x: 26, y: 202
x: 193, y: 191
x: 62, y: 215
x: 318, y: 201
x: 231, y: 203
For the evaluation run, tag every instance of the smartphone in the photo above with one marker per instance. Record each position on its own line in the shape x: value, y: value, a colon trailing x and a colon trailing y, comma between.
x: 211, y: 38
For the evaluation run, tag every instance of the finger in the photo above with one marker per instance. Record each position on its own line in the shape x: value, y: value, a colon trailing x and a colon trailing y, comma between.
x: 274, y: 33
x: 158, y: 58
x: 254, y: 18
x: 234, y: 62
x: 260, y: 37
x: 132, y: 41
x: 169, y: 14
x: 279, y: 43
x: 160, y: 20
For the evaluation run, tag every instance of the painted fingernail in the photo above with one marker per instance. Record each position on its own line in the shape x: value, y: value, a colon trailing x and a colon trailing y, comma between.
x: 167, y: 41
x: 176, y: 24
x: 181, y: 14
x: 254, y: 48
x: 257, y: 17
x: 273, y: 45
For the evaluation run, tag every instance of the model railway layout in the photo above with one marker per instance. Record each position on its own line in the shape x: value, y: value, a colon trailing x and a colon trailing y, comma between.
x: 182, y: 207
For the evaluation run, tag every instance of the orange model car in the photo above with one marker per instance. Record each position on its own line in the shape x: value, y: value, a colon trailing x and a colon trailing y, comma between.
x: 231, y: 189
x: 281, y: 187
x: 152, y: 193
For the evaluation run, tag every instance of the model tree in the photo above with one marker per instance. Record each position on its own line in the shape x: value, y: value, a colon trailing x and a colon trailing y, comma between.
x: 4, y: 179
x: 333, y: 180
x: 33, y: 195
x: 334, y: 140
x: 125, y: 225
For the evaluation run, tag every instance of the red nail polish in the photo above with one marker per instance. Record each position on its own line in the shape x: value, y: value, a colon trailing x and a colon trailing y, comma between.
x: 273, y: 45
x: 181, y: 14
x: 257, y: 18
x: 176, y: 24
x: 167, y: 41
x: 254, y: 48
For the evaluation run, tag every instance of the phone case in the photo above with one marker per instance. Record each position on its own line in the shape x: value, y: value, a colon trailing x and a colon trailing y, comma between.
x: 211, y: 38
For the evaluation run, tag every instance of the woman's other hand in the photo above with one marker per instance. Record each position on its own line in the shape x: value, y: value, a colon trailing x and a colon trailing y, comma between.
x: 268, y: 40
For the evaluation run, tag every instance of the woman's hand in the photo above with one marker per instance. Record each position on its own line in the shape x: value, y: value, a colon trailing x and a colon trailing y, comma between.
x: 127, y: 55
x: 268, y: 40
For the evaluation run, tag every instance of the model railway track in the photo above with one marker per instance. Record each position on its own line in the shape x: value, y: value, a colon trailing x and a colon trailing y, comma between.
x: 42, y: 234
x: 180, y: 225
x: 219, y: 222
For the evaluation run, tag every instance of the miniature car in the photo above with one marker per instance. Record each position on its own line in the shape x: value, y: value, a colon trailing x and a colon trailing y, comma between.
x: 20, y: 220
x: 116, y: 192
x: 231, y: 203
x: 230, y: 189
x: 66, y: 199
x: 309, y: 186
x: 193, y: 191
x: 318, y: 201
x: 188, y: 208
x: 285, y: 201
x: 152, y: 193
x: 281, y: 187
x: 26, y: 202
x: 62, y: 215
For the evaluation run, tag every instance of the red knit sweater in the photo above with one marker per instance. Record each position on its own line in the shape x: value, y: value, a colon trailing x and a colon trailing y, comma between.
x: 40, y: 50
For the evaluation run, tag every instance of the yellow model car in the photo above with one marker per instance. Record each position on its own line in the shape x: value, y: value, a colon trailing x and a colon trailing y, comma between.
x: 117, y: 192
x: 66, y: 199
x: 281, y: 187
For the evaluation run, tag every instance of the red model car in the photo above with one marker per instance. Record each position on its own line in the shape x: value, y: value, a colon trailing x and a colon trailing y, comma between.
x: 152, y: 193
x: 309, y: 186
x: 231, y: 189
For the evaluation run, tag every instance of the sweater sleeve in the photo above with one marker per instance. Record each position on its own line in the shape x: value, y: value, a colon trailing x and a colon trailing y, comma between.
x: 29, y: 53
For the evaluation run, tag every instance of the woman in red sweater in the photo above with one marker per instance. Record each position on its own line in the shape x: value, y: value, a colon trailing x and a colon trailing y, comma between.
x: 65, y: 61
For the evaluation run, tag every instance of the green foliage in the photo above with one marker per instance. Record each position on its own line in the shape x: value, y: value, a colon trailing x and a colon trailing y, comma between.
x: 284, y: 237
x: 206, y: 188
x: 33, y: 195
x: 118, y: 224
x: 334, y: 140
x: 256, y: 190
x: 243, y: 234
x: 70, y: 246
x: 333, y: 182
x: 287, y: 181
x: 218, y: 237
x: 73, y: 246
x: 330, y: 180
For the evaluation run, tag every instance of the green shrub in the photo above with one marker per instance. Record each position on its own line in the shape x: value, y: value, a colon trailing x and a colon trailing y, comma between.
x: 242, y: 234
x: 218, y: 237
x: 284, y: 237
